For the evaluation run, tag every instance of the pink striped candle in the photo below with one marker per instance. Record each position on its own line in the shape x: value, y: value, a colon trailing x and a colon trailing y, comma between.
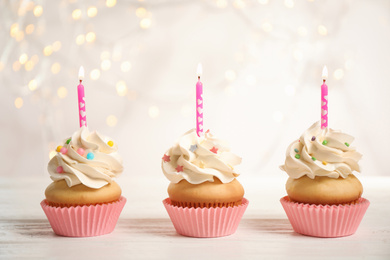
x: 324, y: 99
x: 81, y: 95
x: 199, y: 103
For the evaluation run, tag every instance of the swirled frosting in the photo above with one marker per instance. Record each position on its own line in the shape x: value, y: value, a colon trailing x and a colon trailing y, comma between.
x: 77, y: 169
x: 321, y: 152
x: 199, y: 159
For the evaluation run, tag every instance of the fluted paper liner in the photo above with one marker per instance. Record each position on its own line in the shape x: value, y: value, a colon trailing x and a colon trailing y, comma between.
x: 325, y: 220
x: 205, y: 222
x: 84, y: 221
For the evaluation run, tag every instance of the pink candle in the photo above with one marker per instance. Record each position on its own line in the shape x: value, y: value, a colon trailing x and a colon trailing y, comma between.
x: 324, y: 99
x: 81, y: 95
x: 199, y: 103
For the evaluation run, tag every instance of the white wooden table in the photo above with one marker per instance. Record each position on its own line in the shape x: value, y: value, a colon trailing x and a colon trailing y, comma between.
x: 145, y: 231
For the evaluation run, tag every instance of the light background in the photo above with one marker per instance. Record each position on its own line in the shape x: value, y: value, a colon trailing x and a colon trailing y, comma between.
x: 262, y: 63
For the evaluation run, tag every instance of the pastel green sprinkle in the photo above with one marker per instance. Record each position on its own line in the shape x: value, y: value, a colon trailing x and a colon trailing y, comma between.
x: 347, y: 144
x: 313, y: 158
x: 297, y: 156
x: 325, y: 142
x: 296, y: 150
x: 68, y: 141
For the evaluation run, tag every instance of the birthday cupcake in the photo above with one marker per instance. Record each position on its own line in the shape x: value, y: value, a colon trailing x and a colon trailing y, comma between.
x: 84, y: 199
x: 324, y: 197
x: 205, y: 198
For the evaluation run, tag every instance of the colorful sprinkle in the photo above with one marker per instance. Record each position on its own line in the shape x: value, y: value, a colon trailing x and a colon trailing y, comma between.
x: 313, y: 158
x: 64, y: 150
x: 179, y: 168
x: 81, y: 151
x: 68, y: 141
x: 324, y: 163
x: 110, y: 143
x: 60, y: 169
x: 296, y: 150
x: 297, y: 156
x: 347, y: 144
x: 313, y: 138
x: 325, y: 142
x: 59, y: 148
x: 166, y: 158
x: 214, y: 149
x: 193, y: 147
x: 90, y: 156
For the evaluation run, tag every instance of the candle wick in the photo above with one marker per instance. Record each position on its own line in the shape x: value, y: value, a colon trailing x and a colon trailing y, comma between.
x: 198, y: 77
x: 324, y: 80
x: 81, y: 81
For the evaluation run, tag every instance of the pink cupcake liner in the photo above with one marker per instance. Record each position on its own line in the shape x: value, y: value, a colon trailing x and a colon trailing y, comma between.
x: 84, y: 221
x: 205, y: 222
x: 324, y: 220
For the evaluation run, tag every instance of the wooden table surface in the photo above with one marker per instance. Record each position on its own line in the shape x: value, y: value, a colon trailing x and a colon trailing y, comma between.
x: 144, y: 230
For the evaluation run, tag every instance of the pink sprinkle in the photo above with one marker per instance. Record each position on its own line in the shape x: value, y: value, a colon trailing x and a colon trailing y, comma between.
x: 64, y: 150
x: 60, y: 169
x: 81, y: 151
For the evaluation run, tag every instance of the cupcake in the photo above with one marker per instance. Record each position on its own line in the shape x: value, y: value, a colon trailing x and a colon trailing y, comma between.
x: 205, y: 198
x: 84, y: 199
x: 324, y: 197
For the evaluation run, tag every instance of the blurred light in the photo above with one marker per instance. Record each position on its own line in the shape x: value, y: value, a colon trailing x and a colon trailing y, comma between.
x: 29, y: 65
x: 289, y: 90
x: 239, y: 4
x: 95, y: 74
x: 105, y: 65
x: 277, y: 116
x: 14, y: 29
x: 92, y: 11
x: 338, y: 74
x: 322, y: 30
x: 221, y: 3
x: 55, y: 68
x: 251, y: 80
x: 80, y: 39
x: 16, y: 66
x: 111, y: 120
x: 110, y: 3
x: 302, y: 31
x: 1, y: 66
x: 230, y: 75
x: 132, y: 95
x: 32, y: 85
x: 263, y: 2
x: 62, y: 92
x: 90, y: 37
x: 145, y: 23
x: 289, y: 3
x: 298, y: 55
x: 38, y: 10
x: 186, y: 110
x: 52, y: 154
x: 154, y: 112
x: 239, y: 56
x: 125, y: 66
x: 34, y: 59
x: 23, y: 58
x: 349, y: 64
x: 76, y: 14
x: 117, y: 54
x: 18, y: 102
x: 19, y: 36
x: 48, y: 50
x: 267, y: 27
x: 57, y: 46
x: 141, y: 12
x: 121, y: 88
x: 230, y: 91
x: 30, y: 29
x: 104, y: 55
x: 22, y: 11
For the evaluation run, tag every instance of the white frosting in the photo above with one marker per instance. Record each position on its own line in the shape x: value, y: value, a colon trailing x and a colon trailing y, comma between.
x: 339, y: 159
x: 77, y: 169
x: 200, y: 164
